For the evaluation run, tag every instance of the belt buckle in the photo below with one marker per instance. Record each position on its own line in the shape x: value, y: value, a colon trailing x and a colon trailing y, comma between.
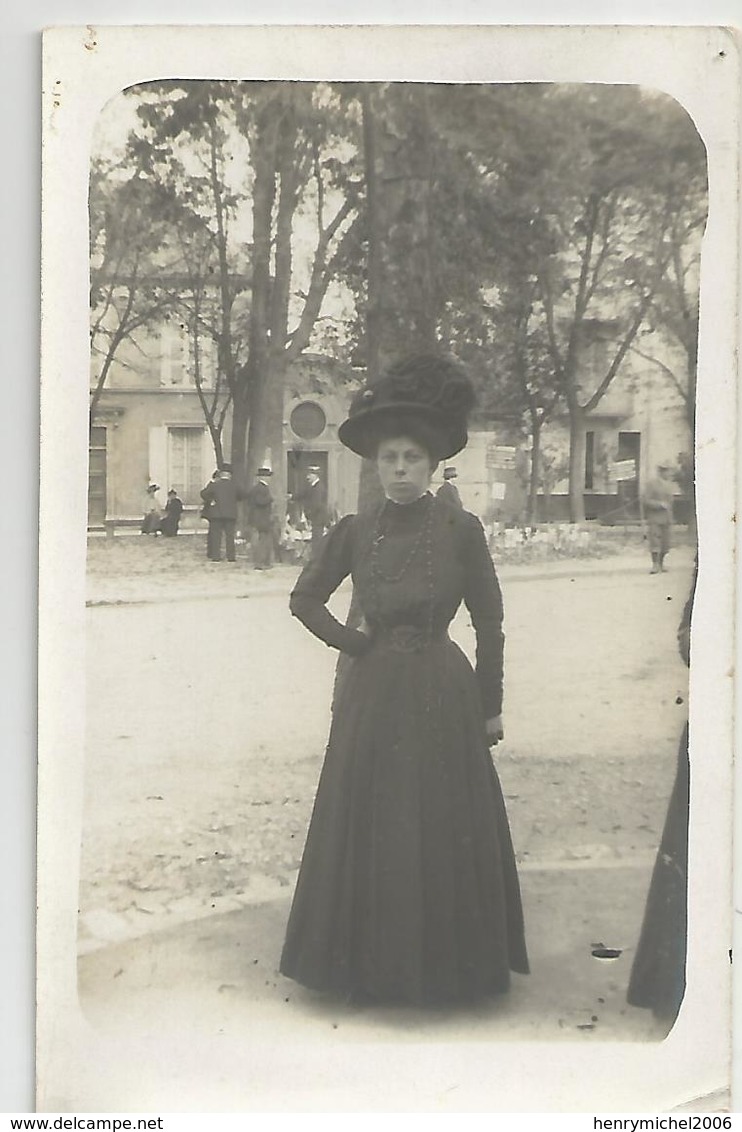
x: 406, y: 638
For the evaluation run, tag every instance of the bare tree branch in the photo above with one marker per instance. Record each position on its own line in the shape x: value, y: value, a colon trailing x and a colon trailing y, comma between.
x: 322, y: 272
x: 683, y: 391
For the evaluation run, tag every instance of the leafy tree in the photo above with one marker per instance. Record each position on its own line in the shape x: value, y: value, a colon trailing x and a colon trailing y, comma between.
x: 129, y: 222
x: 607, y: 236
x: 188, y: 140
x: 567, y: 204
x: 674, y: 313
x: 242, y: 289
x: 486, y: 258
x: 294, y: 131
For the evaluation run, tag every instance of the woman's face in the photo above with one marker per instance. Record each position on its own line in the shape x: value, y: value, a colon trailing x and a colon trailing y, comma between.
x: 404, y: 468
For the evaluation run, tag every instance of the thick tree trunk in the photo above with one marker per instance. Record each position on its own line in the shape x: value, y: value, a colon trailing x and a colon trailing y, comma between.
x: 256, y: 371
x: 576, y: 463
x: 399, y: 162
x: 401, y: 315
x: 240, y: 418
x: 273, y: 410
x: 531, y: 509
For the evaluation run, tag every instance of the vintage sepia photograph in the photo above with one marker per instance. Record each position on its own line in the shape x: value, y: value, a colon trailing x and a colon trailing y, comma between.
x: 385, y: 633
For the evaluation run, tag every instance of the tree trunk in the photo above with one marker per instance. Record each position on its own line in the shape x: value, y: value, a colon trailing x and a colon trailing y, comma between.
x: 576, y: 463
x: 532, y: 505
x: 240, y: 418
x: 256, y: 370
x: 273, y: 409
x: 401, y: 314
x: 398, y: 154
x: 288, y: 160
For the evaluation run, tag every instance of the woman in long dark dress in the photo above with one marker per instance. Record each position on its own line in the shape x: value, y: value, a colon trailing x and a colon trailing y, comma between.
x: 408, y: 890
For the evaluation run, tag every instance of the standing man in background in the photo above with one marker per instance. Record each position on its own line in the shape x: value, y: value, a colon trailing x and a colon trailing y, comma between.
x: 206, y: 514
x: 220, y: 507
x: 260, y: 519
x: 448, y: 491
x: 313, y: 498
x: 658, y: 497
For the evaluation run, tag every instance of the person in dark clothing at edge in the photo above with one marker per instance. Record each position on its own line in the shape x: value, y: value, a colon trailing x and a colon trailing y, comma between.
x: 408, y: 890
x: 657, y: 980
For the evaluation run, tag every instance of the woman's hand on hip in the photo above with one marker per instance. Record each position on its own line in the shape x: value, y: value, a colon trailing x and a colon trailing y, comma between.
x: 494, y: 730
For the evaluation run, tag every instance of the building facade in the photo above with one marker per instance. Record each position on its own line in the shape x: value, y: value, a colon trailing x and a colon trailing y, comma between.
x: 150, y: 427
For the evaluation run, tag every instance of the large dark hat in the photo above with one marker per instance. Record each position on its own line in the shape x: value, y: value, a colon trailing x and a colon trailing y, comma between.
x: 432, y: 390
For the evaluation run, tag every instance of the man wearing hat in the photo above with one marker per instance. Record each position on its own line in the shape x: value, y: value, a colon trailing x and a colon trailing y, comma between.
x: 313, y: 499
x: 260, y: 519
x: 658, y: 497
x: 448, y: 492
x: 220, y: 502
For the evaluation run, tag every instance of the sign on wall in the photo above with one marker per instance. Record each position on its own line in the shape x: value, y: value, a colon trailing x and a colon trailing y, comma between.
x: 624, y: 469
x: 501, y: 456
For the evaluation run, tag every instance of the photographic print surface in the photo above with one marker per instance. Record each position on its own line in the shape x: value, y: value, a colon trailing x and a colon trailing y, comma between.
x: 262, y: 252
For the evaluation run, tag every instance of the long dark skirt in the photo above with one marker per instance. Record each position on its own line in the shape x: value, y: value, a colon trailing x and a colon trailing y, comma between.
x: 658, y: 972
x: 408, y: 890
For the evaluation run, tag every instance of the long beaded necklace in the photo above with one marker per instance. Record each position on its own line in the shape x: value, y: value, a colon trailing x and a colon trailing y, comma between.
x: 423, y: 535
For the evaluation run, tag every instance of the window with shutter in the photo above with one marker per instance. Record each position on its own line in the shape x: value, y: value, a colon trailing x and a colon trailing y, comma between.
x: 186, y: 463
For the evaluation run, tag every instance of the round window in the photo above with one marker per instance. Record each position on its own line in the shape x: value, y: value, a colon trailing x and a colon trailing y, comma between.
x: 308, y: 420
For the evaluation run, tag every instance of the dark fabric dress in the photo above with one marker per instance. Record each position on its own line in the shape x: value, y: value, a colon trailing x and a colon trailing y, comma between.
x: 657, y: 979
x: 408, y: 890
x: 171, y: 522
x: 658, y: 971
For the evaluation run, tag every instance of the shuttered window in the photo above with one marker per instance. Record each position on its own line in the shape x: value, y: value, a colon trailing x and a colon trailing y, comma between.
x: 185, y: 463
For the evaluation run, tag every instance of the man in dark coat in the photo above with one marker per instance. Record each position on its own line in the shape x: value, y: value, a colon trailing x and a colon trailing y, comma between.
x: 260, y: 519
x: 313, y: 499
x: 448, y: 492
x: 220, y: 502
x: 206, y: 513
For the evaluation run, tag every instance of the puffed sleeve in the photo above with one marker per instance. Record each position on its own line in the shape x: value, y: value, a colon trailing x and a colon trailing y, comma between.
x: 483, y: 599
x: 318, y: 580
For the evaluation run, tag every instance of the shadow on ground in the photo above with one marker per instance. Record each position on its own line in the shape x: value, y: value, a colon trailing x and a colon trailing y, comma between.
x: 221, y: 974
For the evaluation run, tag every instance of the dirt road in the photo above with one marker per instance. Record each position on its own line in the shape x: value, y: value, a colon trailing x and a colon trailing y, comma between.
x: 207, y: 723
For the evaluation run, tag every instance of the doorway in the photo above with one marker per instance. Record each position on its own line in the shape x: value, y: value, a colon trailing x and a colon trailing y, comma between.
x: 629, y: 449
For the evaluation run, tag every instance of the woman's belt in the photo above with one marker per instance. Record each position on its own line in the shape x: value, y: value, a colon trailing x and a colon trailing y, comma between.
x: 406, y: 638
